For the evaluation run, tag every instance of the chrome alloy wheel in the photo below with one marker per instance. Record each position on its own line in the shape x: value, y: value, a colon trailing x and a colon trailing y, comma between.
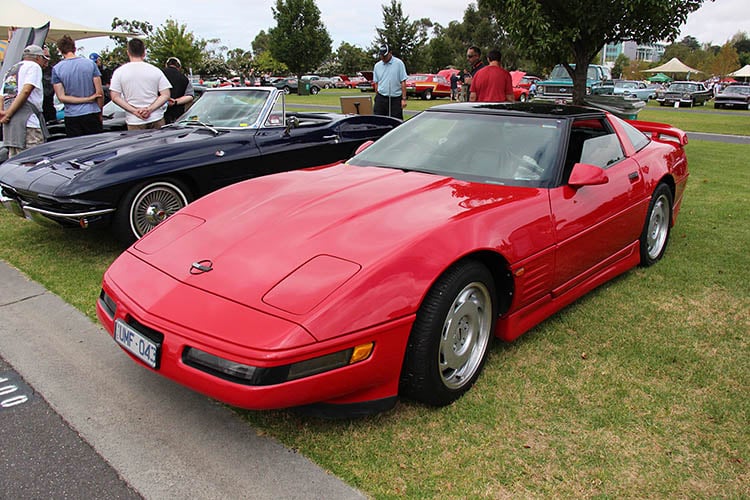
x: 658, y: 227
x: 465, y: 335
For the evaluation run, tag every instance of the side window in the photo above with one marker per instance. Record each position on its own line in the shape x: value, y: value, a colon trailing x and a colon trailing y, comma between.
x: 592, y: 141
x: 602, y: 151
x: 637, y: 138
x: 276, y: 116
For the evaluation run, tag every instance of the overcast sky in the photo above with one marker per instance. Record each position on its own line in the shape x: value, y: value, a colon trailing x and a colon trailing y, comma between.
x: 237, y: 22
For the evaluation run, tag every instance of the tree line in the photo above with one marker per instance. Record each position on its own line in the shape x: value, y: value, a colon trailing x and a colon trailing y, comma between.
x: 533, y: 36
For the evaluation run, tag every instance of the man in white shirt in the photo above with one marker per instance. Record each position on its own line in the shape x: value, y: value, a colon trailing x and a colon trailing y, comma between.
x: 23, y: 95
x: 141, y: 89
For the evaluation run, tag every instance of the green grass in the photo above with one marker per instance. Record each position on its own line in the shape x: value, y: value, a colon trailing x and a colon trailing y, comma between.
x: 640, y: 389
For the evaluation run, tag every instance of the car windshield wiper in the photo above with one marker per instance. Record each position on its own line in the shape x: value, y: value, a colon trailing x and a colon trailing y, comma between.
x: 200, y: 124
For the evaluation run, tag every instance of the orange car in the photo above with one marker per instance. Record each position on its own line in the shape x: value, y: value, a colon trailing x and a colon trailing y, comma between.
x: 427, y: 86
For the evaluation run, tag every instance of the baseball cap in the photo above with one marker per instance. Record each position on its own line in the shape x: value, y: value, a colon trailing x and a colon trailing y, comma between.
x: 34, y: 50
x: 173, y: 61
x: 384, y: 49
x: 94, y: 56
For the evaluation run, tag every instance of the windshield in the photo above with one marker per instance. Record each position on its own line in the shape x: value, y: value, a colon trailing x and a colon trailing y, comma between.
x: 683, y: 87
x: 736, y: 89
x: 227, y: 108
x: 560, y: 73
x: 490, y: 148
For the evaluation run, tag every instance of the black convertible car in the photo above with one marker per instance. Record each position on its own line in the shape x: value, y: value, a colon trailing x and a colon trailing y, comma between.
x: 134, y: 180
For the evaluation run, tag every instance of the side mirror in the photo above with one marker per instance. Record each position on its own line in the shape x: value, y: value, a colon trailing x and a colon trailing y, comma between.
x: 363, y: 146
x: 291, y: 122
x: 584, y: 174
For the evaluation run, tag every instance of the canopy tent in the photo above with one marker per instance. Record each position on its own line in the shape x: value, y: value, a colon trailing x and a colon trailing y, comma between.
x: 743, y: 72
x: 14, y: 14
x: 659, y: 78
x: 673, y: 66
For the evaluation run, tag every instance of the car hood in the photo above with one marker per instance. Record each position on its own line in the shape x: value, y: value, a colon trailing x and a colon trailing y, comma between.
x: 47, y: 167
x: 295, y: 243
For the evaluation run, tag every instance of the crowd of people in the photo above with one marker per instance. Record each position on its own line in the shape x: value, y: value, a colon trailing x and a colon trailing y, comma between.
x: 153, y: 97
x: 150, y: 96
x: 481, y: 83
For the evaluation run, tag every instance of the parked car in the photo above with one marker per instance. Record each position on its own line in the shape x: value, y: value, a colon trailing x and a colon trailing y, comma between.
x: 366, y: 85
x: 427, y: 86
x: 634, y: 88
x: 287, y: 84
x: 734, y: 96
x: 522, y: 85
x: 559, y: 86
x: 690, y: 93
x: 388, y: 275
x: 134, y: 180
x: 320, y: 82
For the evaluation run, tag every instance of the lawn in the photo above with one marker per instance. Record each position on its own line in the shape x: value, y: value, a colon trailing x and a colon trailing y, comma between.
x: 639, y: 389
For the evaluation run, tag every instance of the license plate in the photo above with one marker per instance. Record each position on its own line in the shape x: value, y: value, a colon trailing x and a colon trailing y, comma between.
x: 137, y: 344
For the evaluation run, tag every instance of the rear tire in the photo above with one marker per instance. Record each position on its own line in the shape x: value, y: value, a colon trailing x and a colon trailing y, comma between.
x: 655, y: 234
x: 450, y: 337
x: 147, y: 205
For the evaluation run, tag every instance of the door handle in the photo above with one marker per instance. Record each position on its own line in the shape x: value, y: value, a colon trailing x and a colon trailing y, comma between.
x: 633, y: 176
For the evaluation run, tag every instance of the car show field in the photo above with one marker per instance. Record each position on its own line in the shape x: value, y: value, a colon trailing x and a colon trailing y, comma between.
x: 637, y: 390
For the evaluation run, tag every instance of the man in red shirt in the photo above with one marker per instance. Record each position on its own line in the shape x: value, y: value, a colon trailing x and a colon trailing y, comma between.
x: 492, y: 83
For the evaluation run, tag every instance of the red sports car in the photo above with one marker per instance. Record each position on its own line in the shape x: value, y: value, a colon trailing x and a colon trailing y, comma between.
x: 342, y: 288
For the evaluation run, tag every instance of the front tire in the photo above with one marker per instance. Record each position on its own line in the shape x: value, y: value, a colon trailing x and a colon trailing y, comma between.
x: 146, y: 206
x: 655, y: 234
x: 522, y: 98
x: 448, y: 344
x: 427, y: 95
x: 314, y: 90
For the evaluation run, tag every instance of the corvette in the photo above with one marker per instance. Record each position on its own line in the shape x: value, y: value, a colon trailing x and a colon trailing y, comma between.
x: 340, y: 289
x: 132, y: 181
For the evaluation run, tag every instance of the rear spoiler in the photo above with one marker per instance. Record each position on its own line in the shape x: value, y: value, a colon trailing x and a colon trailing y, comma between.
x: 661, y: 131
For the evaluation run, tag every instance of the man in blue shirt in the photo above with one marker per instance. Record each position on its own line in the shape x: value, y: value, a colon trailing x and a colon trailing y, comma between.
x: 389, y: 80
x: 78, y: 85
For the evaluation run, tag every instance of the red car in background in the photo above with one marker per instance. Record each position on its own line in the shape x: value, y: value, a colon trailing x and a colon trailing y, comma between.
x: 522, y: 85
x: 427, y: 86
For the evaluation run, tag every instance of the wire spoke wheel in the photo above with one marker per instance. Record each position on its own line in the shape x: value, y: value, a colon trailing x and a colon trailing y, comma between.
x: 154, y: 204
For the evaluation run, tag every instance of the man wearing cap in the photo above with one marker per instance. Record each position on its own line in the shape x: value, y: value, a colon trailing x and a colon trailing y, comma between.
x: 181, y: 93
x: 141, y: 89
x: 389, y: 80
x: 23, y: 95
x: 78, y: 85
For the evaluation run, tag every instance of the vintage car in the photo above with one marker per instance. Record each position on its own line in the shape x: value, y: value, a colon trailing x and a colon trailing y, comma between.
x: 522, y: 85
x: 387, y: 275
x: 291, y: 85
x: 734, y: 96
x: 134, y: 180
x: 427, y: 86
x: 690, y: 93
x: 319, y: 82
x: 366, y: 84
x: 559, y: 86
x: 634, y: 88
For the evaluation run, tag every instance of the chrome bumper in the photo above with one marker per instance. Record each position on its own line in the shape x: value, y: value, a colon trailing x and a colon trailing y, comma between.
x: 48, y: 217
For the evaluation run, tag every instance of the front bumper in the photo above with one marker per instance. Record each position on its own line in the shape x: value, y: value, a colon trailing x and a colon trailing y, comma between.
x: 21, y: 208
x: 272, y: 343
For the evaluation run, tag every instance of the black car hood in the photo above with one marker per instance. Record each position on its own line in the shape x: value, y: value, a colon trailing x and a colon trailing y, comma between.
x: 50, y: 166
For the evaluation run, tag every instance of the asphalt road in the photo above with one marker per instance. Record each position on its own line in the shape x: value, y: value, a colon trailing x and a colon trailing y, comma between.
x: 79, y: 419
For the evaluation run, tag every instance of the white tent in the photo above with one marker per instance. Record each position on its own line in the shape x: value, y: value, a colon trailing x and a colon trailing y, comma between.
x: 672, y: 66
x: 743, y: 72
x: 14, y: 14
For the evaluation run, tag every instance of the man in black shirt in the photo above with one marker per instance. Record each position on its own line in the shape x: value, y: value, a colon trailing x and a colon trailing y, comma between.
x: 181, y: 93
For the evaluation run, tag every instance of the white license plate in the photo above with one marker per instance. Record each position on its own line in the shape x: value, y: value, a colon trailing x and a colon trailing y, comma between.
x: 140, y: 346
